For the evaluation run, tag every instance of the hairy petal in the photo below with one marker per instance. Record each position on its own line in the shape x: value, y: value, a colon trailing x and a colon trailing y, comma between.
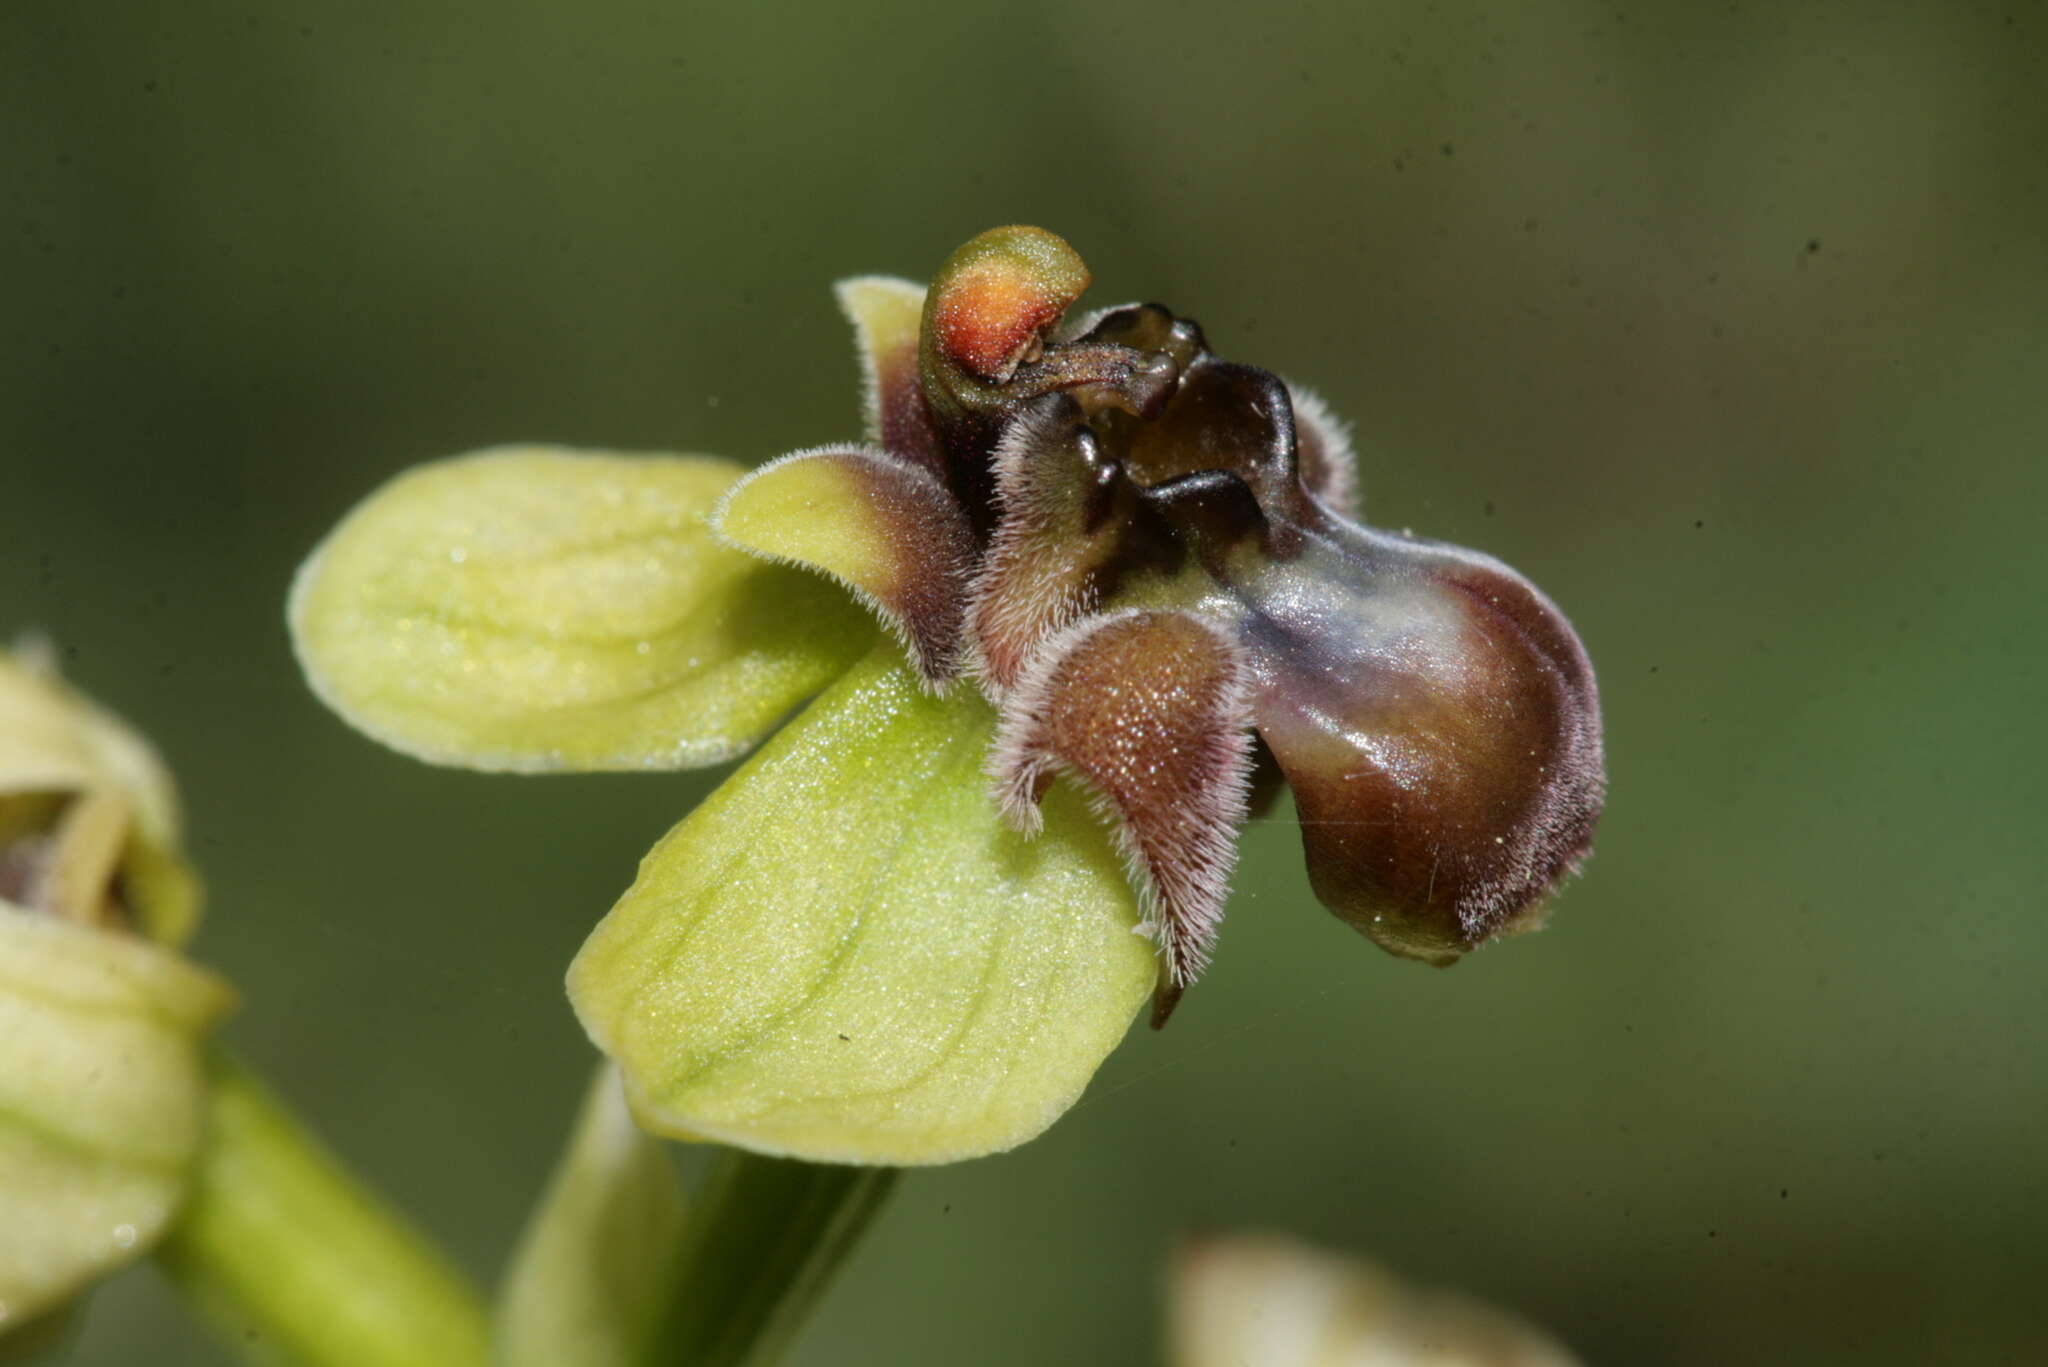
x: 101, y: 1101
x: 1041, y: 569
x: 533, y: 608
x: 1438, y: 722
x: 879, y: 525
x: 846, y: 956
x: 885, y: 313
x: 1149, y: 711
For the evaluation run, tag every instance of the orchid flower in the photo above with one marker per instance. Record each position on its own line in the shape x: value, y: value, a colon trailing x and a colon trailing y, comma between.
x: 1101, y: 554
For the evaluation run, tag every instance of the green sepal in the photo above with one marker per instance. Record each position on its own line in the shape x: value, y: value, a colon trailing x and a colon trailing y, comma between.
x: 101, y: 1101
x: 846, y: 956
x: 533, y: 609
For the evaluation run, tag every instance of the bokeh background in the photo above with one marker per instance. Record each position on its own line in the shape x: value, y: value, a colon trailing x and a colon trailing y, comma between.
x: 1726, y: 323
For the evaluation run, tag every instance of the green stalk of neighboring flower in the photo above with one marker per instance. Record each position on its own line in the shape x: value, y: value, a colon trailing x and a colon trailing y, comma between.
x: 296, y: 1263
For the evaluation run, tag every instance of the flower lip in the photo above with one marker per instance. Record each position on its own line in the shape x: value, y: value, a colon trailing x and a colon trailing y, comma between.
x: 1432, y: 710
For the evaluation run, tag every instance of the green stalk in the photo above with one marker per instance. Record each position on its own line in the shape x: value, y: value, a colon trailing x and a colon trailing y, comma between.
x: 296, y: 1263
x: 590, y: 1281
x: 763, y: 1240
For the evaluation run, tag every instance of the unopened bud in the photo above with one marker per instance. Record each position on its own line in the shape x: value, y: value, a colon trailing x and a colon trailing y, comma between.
x: 1279, y: 1303
x: 101, y: 1021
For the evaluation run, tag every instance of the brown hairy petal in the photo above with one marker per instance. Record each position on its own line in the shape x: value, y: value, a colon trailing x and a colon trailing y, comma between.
x: 1148, y: 710
x: 1040, y: 570
x: 1267, y: 781
x: 1438, y: 722
x: 880, y: 525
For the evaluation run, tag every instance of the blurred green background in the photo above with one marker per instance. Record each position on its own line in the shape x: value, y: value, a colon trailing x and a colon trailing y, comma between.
x: 1723, y: 322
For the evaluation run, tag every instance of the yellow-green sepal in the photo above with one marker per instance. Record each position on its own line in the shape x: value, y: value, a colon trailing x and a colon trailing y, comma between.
x: 101, y: 1101
x: 532, y: 609
x: 846, y: 956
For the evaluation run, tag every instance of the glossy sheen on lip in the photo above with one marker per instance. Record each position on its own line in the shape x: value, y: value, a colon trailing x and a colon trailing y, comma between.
x: 1146, y: 555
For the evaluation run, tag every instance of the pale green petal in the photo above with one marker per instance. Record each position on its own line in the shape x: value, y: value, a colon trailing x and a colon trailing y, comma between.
x: 101, y: 1096
x: 531, y: 608
x: 820, y: 509
x: 890, y: 531
x: 846, y: 956
x: 592, y: 1275
x: 43, y: 748
x: 53, y: 739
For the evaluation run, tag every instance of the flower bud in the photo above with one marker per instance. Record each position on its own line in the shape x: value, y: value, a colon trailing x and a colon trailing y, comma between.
x: 101, y: 1019
x: 89, y: 826
x: 1279, y: 1303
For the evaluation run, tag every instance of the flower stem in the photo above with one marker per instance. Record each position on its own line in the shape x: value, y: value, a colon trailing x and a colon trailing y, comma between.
x: 763, y: 1240
x: 591, y: 1282
x: 295, y: 1262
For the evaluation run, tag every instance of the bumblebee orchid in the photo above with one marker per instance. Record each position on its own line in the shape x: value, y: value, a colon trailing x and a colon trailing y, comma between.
x: 1105, y: 554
